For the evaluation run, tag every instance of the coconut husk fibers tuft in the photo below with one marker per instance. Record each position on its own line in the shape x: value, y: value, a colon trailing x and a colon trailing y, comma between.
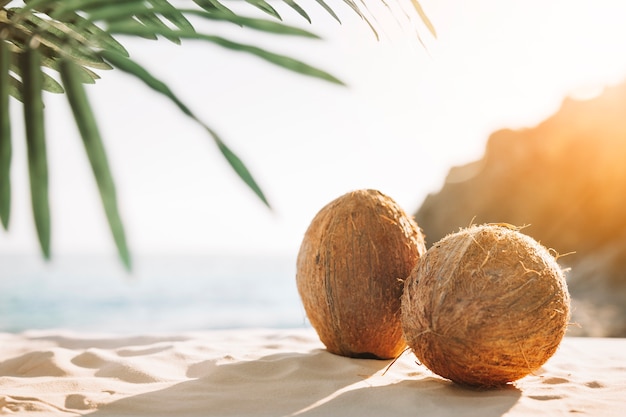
x: 485, y: 306
x: 351, y: 267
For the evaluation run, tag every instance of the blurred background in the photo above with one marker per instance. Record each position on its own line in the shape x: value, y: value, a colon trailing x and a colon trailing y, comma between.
x: 208, y: 254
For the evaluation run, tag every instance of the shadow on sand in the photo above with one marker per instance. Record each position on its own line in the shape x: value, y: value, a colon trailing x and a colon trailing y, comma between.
x: 316, y: 383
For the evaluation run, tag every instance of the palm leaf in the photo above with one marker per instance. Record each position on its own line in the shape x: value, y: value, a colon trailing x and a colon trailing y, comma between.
x: 295, y: 6
x: 152, y: 20
x: 15, y: 88
x: 172, y: 14
x: 102, y: 7
x: 49, y: 83
x: 36, y: 145
x: 98, y: 38
x: 420, y: 11
x: 218, y: 6
x: 356, y: 10
x: 71, y: 6
x: 133, y: 68
x: 265, y: 7
x: 328, y: 10
x: 274, y: 58
x: 263, y: 25
x: 213, y: 5
x: 5, y: 136
x: 94, y: 147
x: 278, y: 59
x: 117, y: 17
x: 240, y: 169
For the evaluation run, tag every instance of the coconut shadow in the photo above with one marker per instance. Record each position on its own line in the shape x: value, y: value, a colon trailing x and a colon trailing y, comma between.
x: 425, y: 397
x: 273, y: 385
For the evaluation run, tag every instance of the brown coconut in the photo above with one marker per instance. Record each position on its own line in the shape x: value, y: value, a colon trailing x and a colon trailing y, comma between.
x: 485, y: 306
x: 351, y: 267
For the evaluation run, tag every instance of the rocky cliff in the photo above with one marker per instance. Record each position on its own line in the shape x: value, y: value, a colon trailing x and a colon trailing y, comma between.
x: 565, y: 180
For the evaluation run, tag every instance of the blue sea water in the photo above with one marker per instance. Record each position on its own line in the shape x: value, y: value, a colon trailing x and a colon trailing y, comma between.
x: 163, y: 293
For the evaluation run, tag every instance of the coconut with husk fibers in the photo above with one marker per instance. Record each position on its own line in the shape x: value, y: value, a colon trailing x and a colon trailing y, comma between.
x: 485, y: 306
x: 353, y: 260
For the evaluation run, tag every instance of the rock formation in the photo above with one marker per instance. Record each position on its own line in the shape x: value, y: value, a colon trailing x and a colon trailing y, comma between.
x: 565, y: 180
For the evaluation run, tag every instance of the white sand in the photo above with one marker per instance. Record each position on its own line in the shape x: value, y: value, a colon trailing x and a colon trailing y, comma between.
x: 281, y: 373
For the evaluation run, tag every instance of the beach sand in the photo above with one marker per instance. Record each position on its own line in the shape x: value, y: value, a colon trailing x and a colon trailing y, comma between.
x: 268, y: 372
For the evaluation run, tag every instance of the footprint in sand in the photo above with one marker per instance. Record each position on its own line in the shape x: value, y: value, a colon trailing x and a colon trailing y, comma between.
x: 78, y: 402
x: 82, y: 402
x: 555, y: 380
x: 545, y: 397
x: 594, y: 384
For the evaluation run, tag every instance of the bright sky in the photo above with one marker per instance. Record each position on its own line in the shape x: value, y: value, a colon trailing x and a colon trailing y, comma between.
x: 406, y: 117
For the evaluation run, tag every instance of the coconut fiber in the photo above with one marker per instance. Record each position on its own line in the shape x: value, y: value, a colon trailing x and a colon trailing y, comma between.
x: 485, y: 306
x: 352, y: 263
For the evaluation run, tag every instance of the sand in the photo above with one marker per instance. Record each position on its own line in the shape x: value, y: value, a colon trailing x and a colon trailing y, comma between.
x: 262, y: 372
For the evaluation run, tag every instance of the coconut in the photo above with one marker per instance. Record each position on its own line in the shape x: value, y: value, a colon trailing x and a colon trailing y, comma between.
x: 351, y: 267
x: 485, y: 306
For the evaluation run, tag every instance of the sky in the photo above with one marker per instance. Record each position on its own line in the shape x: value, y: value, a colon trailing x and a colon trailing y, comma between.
x: 409, y: 112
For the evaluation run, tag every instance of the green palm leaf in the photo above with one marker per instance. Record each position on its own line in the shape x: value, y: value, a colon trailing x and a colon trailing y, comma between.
x: 295, y: 6
x: 172, y: 14
x: 330, y: 11
x: 239, y: 167
x: 213, y: 5
x: 151, y: 19
x: 265, y: 7
x: 116, y: 17
x: 133, y: 68
x: 263, y: 25
x: 96, y: 153
x: 49, y: 83
x: 36, y: 145
x: 277, y: 59
x: 15, y: 88
x: 98, y: 38
x: 5, y: 136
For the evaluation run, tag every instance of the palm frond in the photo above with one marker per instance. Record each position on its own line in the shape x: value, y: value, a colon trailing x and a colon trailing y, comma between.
x: 42, y: 41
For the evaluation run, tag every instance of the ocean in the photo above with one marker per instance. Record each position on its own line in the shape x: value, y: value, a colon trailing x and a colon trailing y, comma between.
x: 163, y: 293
